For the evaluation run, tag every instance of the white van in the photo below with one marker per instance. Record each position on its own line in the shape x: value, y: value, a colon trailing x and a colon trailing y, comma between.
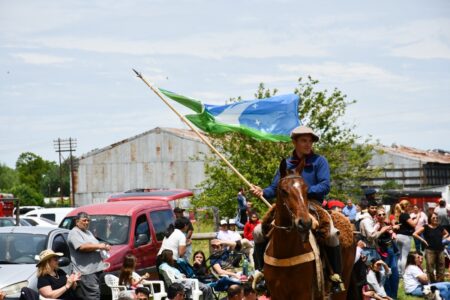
x: 55, y: 214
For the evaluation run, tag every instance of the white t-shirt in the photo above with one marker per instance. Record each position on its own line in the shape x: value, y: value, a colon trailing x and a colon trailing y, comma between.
x: 410, y: 280
x: 235, y: 235
x: 225, y: 236
x: 176, y: 239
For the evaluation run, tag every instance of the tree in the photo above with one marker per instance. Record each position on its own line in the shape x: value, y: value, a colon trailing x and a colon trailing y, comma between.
x: 8, y: 178
x: 259, y: 160
x: 27, y: 195
x: 31, y: 168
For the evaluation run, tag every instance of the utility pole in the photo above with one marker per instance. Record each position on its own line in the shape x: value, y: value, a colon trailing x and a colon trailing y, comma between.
x: 66, y: 145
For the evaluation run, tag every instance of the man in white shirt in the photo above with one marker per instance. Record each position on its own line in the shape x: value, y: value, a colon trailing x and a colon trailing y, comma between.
x: 175, y: 238
x: 224, y: 233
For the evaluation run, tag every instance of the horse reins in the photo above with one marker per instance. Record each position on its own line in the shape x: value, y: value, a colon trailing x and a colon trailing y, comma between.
x: 292, y: 226
x: 295, y: 260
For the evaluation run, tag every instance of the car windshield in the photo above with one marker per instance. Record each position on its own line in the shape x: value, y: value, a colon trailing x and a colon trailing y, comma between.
x: 113, y: 230
x: 21, y: 248
x: 7, y: 222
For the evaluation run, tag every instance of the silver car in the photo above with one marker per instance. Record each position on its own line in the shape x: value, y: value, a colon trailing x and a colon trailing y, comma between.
x: 19, y: 252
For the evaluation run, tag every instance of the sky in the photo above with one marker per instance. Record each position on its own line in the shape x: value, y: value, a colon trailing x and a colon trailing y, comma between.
x: 66, y: 66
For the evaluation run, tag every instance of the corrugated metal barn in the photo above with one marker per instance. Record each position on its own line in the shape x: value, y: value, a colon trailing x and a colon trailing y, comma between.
x: 411, y: 168
x: 159, y: 158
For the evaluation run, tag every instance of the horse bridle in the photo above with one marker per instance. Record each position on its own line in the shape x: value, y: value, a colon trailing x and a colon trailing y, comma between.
x: 292, y: 226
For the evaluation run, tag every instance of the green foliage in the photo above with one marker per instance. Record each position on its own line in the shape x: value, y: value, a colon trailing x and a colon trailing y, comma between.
x: 8, y: 178
x: 27, y: 195
x: 258, y: 160
x: 31, y: 168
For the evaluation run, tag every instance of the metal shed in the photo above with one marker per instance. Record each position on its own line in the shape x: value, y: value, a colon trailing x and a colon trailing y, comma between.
x: 159, y: 158
x: 411, y: 168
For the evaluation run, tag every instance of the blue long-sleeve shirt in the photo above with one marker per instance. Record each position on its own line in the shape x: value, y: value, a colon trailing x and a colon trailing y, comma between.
x: 316, y: 175
x: 242, y: 201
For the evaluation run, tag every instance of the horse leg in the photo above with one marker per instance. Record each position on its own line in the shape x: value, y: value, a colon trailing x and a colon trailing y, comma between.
x: 348, y: 248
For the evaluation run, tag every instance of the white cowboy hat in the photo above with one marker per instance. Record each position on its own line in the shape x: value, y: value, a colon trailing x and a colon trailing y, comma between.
x: 304, y: 130
x: 47, y: 254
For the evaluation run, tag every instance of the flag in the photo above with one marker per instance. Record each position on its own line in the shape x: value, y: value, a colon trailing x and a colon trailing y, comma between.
x: 270, y: 119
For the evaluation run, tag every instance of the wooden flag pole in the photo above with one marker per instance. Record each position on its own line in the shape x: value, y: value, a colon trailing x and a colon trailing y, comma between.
x: 183, y: 118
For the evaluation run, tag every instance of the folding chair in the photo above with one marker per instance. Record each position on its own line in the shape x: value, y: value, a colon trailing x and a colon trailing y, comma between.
x: 191, y: 283
x: 151, y: 285
x: 113, y: 283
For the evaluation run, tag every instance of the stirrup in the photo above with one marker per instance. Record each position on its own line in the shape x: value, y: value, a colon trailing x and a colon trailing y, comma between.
x: 337, y: 284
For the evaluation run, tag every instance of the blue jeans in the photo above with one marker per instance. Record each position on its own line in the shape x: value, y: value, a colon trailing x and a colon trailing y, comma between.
x: 418, y: 244
x: 443, y: 287
x: 391, y: 284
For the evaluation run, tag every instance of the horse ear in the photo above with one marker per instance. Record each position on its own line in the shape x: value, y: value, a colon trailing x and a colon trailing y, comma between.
x: 283, y: 168
x: 300, y: 166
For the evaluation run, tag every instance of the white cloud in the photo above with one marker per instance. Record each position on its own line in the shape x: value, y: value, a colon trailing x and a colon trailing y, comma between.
x: 42, y: 59
x: 247, y: 44
x: 355, y: 72
x: 423, y: 39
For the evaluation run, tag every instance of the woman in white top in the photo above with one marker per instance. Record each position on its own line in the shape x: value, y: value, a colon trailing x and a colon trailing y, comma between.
x: 175, y: 238
x: 414, y: 278
x: 376, y: 277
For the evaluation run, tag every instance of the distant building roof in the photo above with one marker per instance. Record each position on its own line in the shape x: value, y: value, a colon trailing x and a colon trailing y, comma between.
x: 432, y: 156
x: 182, y: 133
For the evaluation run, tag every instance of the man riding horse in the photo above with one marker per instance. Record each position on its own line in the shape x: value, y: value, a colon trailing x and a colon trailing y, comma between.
x: 316, y: 174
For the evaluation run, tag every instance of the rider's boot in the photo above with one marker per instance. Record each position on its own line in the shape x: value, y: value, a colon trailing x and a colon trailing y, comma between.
x: 335, y: 259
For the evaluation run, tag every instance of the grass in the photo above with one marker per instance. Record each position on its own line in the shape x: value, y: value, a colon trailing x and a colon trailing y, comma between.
x: 204, y: 223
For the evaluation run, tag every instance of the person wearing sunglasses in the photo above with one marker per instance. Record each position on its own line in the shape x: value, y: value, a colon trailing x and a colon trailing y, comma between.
x: 53, y: 282
x: 431, y: 235
x: 387, y: 250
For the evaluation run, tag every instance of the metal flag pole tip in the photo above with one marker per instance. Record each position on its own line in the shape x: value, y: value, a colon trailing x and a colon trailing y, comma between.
x: 137, y: 73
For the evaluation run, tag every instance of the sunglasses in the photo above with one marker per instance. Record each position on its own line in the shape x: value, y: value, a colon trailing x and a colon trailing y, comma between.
x: 381, y: 215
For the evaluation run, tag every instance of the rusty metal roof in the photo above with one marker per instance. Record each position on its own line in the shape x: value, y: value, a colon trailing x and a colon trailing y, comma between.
x: 182, y: 133
x: 427, y: 156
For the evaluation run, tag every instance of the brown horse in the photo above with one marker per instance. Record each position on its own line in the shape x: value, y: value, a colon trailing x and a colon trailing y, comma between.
x: 289, y: 268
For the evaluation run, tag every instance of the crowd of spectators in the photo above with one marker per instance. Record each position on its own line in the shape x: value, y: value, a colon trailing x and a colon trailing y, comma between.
x: 384, y: 254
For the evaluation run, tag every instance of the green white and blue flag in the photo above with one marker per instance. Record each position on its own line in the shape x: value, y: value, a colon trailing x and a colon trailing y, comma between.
x: 270, y: 119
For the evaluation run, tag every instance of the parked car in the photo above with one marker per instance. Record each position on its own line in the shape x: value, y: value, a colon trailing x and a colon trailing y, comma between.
x: 130, y: 227
x: 19, y: 253
x: 55, y: 214
x: 24, y: 209
x: 38, y: 221
x: 11, y: 221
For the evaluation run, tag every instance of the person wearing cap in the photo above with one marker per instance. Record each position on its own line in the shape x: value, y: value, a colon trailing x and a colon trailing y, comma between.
x: 219, y: 258
x: 316, y: 174
x: 224, y: 233
x: 235, y: 236
x: 53, y: 282
x: 179, y: 213
x: 85, y: 254
x: 442, y: 211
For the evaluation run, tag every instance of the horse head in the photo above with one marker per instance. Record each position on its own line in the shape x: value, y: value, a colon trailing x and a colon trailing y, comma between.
x: 292, y: 200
